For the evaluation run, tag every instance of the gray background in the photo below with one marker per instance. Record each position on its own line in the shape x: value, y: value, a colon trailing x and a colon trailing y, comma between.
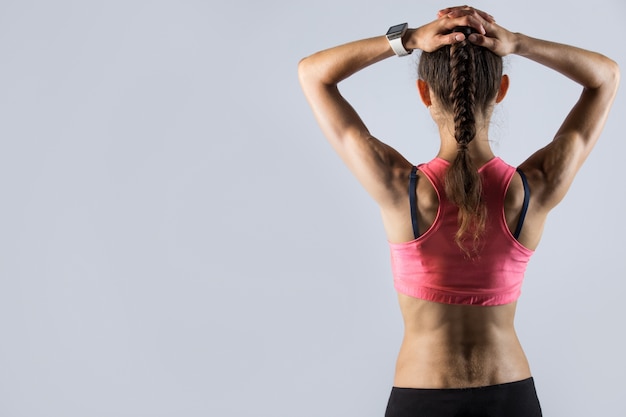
x: 177, y: 239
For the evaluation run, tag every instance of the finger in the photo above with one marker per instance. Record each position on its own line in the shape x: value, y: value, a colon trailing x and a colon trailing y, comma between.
x: 484, y: 41
x: 439, y: 41
x: 476, y: 39
x: 443, y: 12
x: 449, y: 10
x: 489, y: 18
x: 477, y: 23
x: 454, y: 12
x: 473, y: 20
x: 451, y: 38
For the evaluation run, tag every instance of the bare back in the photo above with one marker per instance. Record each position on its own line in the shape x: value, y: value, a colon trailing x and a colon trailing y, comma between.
x: 453, y: 346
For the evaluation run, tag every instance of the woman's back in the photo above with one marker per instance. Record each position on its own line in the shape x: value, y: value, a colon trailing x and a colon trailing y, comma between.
x: 455, y: 345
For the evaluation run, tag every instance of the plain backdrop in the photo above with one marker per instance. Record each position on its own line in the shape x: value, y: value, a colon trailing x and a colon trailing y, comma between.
x: 178, y: 239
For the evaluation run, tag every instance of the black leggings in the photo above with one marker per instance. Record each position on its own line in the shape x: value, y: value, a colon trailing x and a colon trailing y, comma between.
x: 513, y: 399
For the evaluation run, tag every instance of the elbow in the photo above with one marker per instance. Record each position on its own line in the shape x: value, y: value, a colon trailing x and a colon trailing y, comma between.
x: 304, y: 70
x: 310, y: 74
x: 302, y: 64
x: 612, y: 74
x: 616, y: 74
x: 606, y: 76
x: 313, y: 71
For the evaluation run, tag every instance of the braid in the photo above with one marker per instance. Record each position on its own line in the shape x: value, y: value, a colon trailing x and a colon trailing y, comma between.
x: 463, y: 92
x: 462, y: 182
x: 465, y: 78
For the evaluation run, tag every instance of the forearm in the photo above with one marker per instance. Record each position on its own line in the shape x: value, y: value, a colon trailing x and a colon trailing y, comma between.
x: 590, y: 69
x: 333, y: 65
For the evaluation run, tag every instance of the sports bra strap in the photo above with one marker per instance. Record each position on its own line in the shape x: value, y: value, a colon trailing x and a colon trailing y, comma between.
x: 522, y: 215
x: 413, y: 201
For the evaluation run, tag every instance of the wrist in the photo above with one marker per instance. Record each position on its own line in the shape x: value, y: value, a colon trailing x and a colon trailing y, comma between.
x: 409, y: 40
x: 518, y: 44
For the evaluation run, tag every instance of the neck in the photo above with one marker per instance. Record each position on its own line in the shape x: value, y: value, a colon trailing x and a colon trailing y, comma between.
x: 479, y: 148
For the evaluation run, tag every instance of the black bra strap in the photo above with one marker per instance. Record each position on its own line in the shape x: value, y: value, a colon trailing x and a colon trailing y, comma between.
x: 522, y: 215
x: 413, y: 201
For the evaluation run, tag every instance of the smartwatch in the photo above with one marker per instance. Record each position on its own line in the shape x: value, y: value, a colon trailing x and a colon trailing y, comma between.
x: 394, y: 36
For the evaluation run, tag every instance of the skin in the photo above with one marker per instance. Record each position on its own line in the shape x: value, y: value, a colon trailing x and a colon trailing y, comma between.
x: 454, y: 346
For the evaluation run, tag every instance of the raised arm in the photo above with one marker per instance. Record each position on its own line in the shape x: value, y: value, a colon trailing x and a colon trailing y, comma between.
x: 551, y: 170
x: 373, y: 163
x: 380, y: 169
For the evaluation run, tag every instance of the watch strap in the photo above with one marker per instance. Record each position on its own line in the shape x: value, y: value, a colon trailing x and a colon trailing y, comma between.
x: 398, y: 47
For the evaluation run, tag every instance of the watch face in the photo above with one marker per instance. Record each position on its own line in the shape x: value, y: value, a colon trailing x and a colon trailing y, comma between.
x: 396, y: 29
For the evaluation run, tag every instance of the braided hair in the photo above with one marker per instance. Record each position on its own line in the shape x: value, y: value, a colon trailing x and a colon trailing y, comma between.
x: 466, y: 79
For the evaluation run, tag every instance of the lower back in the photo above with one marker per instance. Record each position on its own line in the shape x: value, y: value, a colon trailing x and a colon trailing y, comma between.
x: 457, y: 346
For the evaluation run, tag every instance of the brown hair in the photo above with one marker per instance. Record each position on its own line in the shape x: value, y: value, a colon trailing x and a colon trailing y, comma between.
x: 465, y: 79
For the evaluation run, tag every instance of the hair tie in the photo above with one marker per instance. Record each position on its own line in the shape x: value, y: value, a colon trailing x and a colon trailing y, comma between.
x: 466, y: 30
x: 462, y: 147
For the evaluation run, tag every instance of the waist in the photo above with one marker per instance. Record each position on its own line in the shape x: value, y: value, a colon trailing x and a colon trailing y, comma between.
x: 451, y: 346
x: 527, y: 382
x: 422, y: 365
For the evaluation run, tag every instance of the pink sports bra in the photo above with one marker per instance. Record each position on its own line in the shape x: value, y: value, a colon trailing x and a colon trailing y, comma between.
x: 432, y: 267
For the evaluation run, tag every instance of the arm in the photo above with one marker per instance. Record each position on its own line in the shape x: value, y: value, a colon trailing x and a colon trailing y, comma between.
x: 373, y: 163
x: 551, y: 170
x: 380, y: 169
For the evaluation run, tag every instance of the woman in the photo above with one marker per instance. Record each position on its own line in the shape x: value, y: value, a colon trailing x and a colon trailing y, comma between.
x: 462, y: 227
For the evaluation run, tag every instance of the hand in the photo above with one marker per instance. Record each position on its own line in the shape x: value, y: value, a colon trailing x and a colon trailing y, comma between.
x: 456, y: 12
x: 495, y: 38
x: 438, y: 33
